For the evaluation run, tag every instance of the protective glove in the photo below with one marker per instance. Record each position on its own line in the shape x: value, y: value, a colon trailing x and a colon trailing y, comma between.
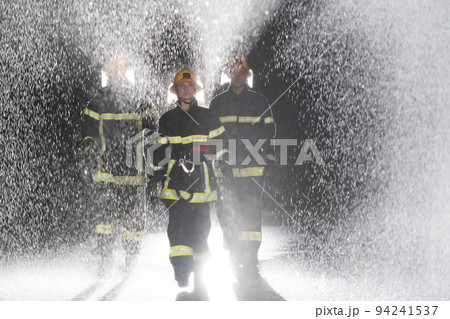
x: 271, y: 159
x: 87, y: 162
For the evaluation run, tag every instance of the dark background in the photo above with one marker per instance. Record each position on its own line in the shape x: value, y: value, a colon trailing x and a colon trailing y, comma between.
x: 43, y: 197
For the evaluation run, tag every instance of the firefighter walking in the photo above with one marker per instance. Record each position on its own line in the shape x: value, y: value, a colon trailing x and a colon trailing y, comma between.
x: 188, y: 187
x: 245, y: 114
x: 111, y: 118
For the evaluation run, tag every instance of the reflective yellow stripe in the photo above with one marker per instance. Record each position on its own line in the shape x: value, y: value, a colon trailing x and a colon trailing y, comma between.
x: 156, y: 168
x: 194, y: 138
x: 140, y: 157
x: 88, y: 147
x: 216, y: 132
x: 250, y: 236
x: 162, y: 140
x: 167, y: 193
x: 181, y: 251
x: 103, y: 148
x: 129, y: 235
x: 205, y: 168
x: 228, y: 119
x: 204, y: 197
x: 249, y: 119
x: 119, y: 180
x: 148, y: 112
x: 92, y: 114
x: 103, y: 229
x: 268, y: 120
x: 174, y: 139
x: 120, y: 116
x: 169, y: 170
x: 183, y: 140
x: 220, y: 153
x: 185, y: 195
x: 247, y: 172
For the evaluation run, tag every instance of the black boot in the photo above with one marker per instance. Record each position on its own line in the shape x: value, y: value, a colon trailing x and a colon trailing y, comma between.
x: 200, y: 291
x: 182, y: 276
x: 107, y: 261
x: 132, y: 249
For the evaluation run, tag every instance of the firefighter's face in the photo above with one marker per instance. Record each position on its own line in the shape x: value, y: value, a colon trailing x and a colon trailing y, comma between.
x: 116, y: 69
x: 186, y: 91
x: 239, y: 77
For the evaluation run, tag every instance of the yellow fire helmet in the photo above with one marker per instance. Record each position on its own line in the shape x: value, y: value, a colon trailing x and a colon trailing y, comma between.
x: 236, y: 64
x: 184, y: 76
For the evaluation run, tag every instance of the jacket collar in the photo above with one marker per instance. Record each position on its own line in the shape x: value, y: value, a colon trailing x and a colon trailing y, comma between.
x: 246, y: 88
x: 194, y: 105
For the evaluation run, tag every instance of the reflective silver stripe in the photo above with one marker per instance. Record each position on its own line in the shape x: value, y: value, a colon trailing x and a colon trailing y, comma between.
x: 216, y: 132
x: 162, y: 140
x: 194, y: 138
x: 185, y: 195
x: 204, y: 197
x: 184, y: 140
x: 228, y: 119
x: 156, y: 168
x: 205, y: 168
x: 119, y: 180
x: 120, y: 116
x: 92, y: 114
x: 250, y: 236
x: 169, y: 170
x: 169, y: 193
x: 249, y: 119
x: 174, y: 139
x: 268, y: 120
x: 247, y: 172
x: 181, y: 251
x: 220, y: 153
x: 135, y: 236
x: 103, y: 229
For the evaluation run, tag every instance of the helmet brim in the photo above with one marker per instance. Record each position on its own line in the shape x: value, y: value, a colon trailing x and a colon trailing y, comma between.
x: 173, y: 90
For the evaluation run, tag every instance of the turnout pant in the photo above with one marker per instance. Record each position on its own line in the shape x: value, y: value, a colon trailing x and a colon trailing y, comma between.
x: 188, y: 231
x: 117, y: 209
x: 239, y: 213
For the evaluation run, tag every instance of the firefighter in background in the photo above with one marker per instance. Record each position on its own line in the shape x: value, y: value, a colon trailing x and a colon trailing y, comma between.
x: 245, y: 114
x: 112, y: 117
x: 188, y: 187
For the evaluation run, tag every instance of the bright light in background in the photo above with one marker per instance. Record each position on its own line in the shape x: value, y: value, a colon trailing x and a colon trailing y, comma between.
x: 104, y: 79
x: 200, y: 95
x: 224, y: 79
x: 218, y: 271
x: 129, y: 75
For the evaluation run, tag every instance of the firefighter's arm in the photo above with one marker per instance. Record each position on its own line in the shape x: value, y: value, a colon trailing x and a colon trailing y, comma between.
x: 89, y: 130
x: 149, y: 116
x: 89, y: 144
x: 222, y: 154
x: 160, y: 152
x: 268, y: 127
